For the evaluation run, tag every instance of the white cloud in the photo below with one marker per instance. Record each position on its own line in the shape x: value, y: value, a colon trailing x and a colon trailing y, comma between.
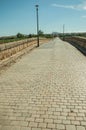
x: 81, y: 6
x: 63, y: 6
x: 84, y: 16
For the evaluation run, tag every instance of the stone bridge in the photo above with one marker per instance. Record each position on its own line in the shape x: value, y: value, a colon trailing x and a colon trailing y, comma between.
x: 45, y: 90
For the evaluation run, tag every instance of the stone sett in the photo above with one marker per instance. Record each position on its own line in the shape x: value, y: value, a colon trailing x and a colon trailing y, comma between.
x: 45, y: 90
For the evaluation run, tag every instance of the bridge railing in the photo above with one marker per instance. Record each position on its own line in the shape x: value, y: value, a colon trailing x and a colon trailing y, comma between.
x: 9, y: 49
x: 10, y: 45
x: 78, y: 42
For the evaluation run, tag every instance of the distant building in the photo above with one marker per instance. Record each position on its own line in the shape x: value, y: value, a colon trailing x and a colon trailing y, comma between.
x: 55, y: 34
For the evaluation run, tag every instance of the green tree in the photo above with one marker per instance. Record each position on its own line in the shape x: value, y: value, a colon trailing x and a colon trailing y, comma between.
x: 19, y: 35
x: 41, y: 33
x: 30, y: 35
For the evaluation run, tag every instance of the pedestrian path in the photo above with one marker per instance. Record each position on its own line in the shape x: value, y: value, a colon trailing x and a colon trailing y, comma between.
x: 45, y: 90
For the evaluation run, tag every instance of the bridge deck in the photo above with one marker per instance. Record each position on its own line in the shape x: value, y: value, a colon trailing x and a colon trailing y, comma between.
x: 45, y: 90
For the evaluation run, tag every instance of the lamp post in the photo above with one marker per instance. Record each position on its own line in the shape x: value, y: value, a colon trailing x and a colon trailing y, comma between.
x: 63, y: 32
x: 37, y: 24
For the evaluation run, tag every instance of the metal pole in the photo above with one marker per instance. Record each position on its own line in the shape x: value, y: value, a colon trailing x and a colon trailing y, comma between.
x: 63, y: 32
x: 37, y: 25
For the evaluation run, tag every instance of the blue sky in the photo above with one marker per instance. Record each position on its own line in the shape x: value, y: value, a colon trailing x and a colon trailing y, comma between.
x: 20, y: 16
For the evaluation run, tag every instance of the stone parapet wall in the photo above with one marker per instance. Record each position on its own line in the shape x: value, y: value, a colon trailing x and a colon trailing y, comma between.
x: 5, y: 46
x: 77, y: 40
x: 11, y: 53
x: 9, y: 49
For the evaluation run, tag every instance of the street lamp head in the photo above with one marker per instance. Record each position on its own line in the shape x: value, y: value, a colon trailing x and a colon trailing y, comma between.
x: 37, y: 6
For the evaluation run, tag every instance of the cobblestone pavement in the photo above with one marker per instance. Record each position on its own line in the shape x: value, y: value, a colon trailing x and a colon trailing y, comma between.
x: 45, y: 90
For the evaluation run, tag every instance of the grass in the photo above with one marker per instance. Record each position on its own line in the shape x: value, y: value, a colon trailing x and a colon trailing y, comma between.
x: 10, y: 40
